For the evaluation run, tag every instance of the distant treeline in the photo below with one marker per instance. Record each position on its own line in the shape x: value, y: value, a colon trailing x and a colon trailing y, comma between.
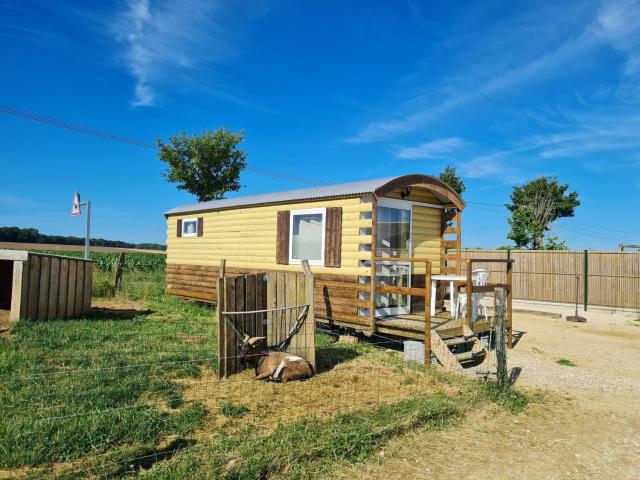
x: 32, y: 235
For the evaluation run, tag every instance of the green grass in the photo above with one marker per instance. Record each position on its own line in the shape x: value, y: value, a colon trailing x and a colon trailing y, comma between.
x: 566, y: 362
x: 308, y: 448
x: 135, y: 285
x: 102, y: 395
x: 107, y: 261
x: 86, y: 386
x: 231, y: 409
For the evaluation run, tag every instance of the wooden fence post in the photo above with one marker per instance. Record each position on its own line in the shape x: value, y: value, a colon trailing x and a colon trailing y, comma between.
x: 119, y: 272
x: 221, y: 270
x: 469, y: 291
x: 221, y: 330
x: 510, y: 301
x: 427, y: 315
x: 310, y: 331
x: 501, y: 340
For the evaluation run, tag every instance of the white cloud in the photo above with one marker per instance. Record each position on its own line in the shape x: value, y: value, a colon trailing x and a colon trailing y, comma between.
x: 615, y: 24
x: 484, y: 166
x: 163, y: 39
x: 436, y: 149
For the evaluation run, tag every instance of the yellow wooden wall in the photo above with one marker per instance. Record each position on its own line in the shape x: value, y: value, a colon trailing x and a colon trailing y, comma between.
x: 246, y: 237
x: 426, y: 236
x: 417, y: 194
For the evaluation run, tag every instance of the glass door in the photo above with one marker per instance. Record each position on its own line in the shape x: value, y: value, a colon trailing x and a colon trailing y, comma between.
x: 393, y: 240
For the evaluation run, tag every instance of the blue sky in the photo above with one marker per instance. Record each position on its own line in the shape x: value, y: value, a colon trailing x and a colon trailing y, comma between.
x: 337, y: 91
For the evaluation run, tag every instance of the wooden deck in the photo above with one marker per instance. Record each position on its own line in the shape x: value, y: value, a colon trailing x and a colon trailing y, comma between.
x: 412, y: 325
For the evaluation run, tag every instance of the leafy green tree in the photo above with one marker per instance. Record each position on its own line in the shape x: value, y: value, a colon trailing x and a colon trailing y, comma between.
x: 534, y: 207
x: 451, y: 178
x: 207, y: 165
x: 554, y: 243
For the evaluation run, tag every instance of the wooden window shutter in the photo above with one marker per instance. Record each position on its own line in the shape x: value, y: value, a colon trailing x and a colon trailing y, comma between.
x: 200, y: 226
x: 333, y: 237
x: 282, y: 238
x: 179, y: 228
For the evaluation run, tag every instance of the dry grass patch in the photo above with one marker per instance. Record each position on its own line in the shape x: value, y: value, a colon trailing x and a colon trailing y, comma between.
x: 357, y: 384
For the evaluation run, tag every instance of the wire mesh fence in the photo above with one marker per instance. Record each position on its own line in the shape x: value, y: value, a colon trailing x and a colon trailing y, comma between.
x: 114, y: 393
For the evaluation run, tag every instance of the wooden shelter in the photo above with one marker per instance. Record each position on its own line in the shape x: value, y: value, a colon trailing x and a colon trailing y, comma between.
x: 35, y: 286
x: 372, y: 245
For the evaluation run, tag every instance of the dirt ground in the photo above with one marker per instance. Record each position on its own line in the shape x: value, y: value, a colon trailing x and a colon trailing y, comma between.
x: 5, y: 324
x: 587, y: 424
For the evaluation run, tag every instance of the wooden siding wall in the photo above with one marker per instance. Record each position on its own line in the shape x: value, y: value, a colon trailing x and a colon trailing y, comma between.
x: 336, y: 295
x: 417, y: 194
x: 426, y: 237
x: 55, y: 287
x: 550, y: 276
x: 246, y: 238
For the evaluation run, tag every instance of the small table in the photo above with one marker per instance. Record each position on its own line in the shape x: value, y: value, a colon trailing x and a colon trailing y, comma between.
x: 446, y: 278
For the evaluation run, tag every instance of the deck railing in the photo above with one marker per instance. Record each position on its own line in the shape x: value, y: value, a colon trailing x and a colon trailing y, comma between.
x: 490, y: 287
x: 421, y: 292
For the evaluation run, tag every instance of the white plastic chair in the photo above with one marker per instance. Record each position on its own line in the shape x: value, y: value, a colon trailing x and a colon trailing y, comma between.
x: 479, y: 278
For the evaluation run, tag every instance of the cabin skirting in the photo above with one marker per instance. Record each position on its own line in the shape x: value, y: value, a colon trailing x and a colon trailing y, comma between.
x: 337, y: 296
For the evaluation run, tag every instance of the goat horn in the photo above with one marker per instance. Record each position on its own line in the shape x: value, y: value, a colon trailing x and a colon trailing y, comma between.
x: 253, y: 340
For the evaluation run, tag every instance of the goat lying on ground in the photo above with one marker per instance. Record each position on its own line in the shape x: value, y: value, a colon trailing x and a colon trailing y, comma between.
x: 273, y: 365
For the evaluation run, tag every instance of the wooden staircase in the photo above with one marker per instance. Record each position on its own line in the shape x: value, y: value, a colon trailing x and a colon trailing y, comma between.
x: 451, y: 242
x: 457, y: 353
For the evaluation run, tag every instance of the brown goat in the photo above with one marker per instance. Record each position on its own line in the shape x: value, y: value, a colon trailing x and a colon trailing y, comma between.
x: 273, y: 365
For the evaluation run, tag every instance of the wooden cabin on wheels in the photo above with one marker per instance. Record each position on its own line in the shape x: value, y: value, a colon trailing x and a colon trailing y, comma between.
x: 376, y: 249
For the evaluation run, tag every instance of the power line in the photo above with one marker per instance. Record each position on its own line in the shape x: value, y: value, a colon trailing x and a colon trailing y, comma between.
x: 600, y: 228
x: 490, y: 204
x: 587, y: 234
x: 136, y: 142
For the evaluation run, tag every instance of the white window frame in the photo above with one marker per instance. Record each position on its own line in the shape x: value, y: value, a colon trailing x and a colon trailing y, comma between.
x: 184, y: 222
x: 308, y: 211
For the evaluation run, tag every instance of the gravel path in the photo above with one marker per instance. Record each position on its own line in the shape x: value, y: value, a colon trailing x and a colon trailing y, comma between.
x: 587, y: 427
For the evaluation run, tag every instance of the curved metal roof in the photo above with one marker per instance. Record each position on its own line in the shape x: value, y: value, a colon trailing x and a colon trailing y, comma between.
x: 378, y: 186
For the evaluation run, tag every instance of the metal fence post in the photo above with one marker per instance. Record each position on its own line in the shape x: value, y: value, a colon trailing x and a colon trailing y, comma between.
x: 586, y: 279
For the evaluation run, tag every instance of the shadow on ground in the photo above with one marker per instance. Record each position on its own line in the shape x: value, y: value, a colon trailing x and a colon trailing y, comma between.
x: 107, y: 313
x: 328, y: 357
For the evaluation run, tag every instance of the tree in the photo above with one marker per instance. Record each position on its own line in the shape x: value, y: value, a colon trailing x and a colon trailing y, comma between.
x: 207, y: 165
x: 451, y: 178
x: 534, y: 207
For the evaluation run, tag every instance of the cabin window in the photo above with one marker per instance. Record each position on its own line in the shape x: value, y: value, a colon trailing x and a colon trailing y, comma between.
x: 190, y: 227
x: 307, y: 236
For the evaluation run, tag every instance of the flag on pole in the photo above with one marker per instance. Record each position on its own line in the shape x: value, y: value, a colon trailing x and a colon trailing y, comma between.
x: 75, y: 210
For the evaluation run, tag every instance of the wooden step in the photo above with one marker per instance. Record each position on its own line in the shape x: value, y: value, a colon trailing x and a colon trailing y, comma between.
x: 466, y: 356
x: 443, y: 354
x: 457, y: 341
x: 463, y: 357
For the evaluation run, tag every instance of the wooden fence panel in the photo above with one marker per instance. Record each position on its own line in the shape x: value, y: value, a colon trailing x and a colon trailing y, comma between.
x: 550, y: 276
x: 260, y: 292
x: 64, y: 286
x: 55, y: 287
